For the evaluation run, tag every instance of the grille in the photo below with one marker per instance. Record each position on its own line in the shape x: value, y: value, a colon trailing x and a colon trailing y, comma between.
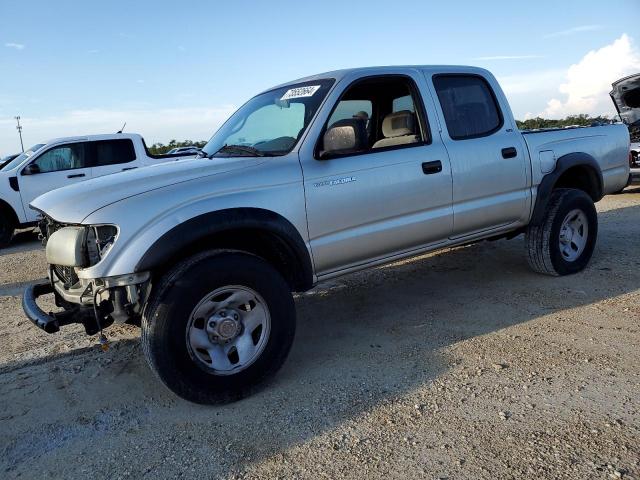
x: 66, y: 274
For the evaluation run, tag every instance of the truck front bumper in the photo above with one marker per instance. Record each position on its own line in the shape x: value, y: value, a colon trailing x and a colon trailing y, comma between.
x: 51, y: 322
x: 117, y: 299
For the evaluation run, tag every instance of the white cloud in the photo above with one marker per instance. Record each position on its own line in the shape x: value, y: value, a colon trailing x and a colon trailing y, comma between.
x: 529, y: 82
x: 508, y: 57
x: 573, y: 31
x: 587, y: 83
x: 17, y: 46
x: 156, y: 125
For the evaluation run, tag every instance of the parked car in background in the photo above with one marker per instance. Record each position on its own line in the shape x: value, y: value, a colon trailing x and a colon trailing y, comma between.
x: 307, y: 181
x: 185, y: 150
x: 61, y: 162
x: 626, y: 97
x: 634, y: 163
x: 7, y: 159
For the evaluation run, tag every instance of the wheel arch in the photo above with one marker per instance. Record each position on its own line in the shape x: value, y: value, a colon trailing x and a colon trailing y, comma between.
x: 258, y: 231
x: 574, y: 170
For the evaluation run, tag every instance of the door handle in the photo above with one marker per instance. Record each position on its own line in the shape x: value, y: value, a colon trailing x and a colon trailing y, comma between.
x: 429, y: 168
x: 77, y: 175
x: 128, y: 168
x: 509, y: 152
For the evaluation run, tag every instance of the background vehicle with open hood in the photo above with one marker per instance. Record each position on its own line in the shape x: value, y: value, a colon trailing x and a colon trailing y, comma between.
x: 626, y: 97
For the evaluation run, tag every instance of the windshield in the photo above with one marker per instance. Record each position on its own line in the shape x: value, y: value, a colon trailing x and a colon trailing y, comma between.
x: 22, y: 157
x: 271, y: 123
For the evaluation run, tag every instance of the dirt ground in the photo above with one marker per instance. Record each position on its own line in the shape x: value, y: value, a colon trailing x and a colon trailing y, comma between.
x: 461, y: 364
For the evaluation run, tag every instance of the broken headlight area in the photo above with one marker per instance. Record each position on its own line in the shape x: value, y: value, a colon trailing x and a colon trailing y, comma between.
x: 99, y: 240
x: 76, y: 246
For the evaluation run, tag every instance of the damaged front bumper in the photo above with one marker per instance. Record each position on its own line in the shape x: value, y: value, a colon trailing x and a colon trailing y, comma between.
x: 95, y: 303
x: 49, y: 322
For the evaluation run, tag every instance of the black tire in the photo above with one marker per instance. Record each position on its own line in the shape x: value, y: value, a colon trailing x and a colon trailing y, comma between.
x: 6, y: 229
x: 165, y: 321
x: 543, y: 240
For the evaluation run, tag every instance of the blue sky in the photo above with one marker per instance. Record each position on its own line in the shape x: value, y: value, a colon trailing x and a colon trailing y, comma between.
x: 177, y: 69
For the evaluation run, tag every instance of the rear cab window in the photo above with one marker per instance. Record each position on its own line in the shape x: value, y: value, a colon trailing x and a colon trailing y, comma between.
x: 468, y: 104
x: 113, y: 152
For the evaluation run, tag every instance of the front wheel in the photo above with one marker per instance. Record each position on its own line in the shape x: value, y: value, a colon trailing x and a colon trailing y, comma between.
x: 6, y: 229
x: 563, y: 242
x: 218, y: 326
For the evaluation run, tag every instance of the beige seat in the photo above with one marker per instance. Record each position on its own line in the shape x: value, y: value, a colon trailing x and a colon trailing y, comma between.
x: 398, y: 128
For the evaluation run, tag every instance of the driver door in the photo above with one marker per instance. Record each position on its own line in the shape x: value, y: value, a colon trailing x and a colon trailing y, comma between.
x: 389, y: 195
x: 56, y: 167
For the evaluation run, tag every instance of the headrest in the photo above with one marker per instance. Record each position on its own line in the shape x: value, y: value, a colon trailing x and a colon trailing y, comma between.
x: 398, y: 124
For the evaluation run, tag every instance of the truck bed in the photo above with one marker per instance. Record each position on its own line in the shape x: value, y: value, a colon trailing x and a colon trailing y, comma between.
x: 609, y: 144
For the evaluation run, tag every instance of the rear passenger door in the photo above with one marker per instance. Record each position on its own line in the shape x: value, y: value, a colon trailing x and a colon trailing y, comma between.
x: 392, y: 193
x: 488, y: 160
x: 112, y: 156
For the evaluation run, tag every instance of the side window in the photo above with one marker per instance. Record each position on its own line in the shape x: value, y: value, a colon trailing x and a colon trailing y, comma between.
x: 374, y: 113
x: 469, y: 106
x: 111, y: 152
x: 403, y: 103
x: 351, y: 109
x: 63, y: 157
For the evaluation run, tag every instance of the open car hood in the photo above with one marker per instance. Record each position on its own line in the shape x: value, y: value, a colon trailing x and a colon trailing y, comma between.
x: 626, y: 96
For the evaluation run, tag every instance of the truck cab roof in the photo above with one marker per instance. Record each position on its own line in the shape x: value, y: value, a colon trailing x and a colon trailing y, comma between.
x: 380, y: 70
x: 89, y: 138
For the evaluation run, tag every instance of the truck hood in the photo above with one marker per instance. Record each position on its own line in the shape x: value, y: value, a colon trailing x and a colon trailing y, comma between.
x: 74, y: 203
x: 626, y: 96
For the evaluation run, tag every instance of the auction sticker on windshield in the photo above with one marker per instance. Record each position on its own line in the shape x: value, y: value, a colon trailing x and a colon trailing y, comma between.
x: 300, y: 92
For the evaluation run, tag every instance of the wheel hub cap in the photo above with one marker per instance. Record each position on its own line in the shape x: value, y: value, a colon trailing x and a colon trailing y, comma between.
x: 574, y: 233
x: 224, y: 325
x: 228, y: 330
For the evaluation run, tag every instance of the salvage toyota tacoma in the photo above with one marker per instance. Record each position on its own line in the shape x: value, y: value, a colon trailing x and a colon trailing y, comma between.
x: 307, y: 181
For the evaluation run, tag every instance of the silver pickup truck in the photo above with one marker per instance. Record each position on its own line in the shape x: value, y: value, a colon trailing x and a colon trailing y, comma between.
x: 309, y: 180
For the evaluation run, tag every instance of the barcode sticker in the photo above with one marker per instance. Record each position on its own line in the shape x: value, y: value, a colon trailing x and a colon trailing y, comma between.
x: 300, y: 92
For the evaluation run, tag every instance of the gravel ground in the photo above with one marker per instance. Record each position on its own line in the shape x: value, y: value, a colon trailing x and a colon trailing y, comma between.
x: 461, y: 364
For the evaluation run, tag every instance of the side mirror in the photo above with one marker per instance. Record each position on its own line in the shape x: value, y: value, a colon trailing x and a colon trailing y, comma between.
x: 31, y: 169
x: 343, y: 137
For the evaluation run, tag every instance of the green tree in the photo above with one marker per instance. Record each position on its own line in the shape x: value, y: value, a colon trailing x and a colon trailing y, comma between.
x: 582, y: 120
x: 159, y: 148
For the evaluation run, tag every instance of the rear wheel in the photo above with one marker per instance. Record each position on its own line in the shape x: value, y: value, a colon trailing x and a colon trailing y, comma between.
x: 218, y: 326
x: 6, y: 229
x: 563, y: 242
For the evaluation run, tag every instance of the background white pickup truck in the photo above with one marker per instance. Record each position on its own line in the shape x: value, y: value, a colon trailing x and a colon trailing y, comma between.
x: 61, y: 162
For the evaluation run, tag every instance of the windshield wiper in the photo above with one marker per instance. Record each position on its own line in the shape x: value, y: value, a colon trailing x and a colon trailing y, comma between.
x: 241, y: 148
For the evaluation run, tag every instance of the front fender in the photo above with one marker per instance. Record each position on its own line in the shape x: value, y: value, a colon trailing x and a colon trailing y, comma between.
x: 144, y: 219
x: 208, y: 225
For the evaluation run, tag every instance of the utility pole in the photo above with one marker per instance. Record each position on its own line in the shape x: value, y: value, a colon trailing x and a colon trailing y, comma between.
x: 19, y: 128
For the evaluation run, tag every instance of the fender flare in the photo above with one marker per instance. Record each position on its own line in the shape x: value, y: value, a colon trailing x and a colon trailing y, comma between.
x: 211, y: 224
x: 549, y: 181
